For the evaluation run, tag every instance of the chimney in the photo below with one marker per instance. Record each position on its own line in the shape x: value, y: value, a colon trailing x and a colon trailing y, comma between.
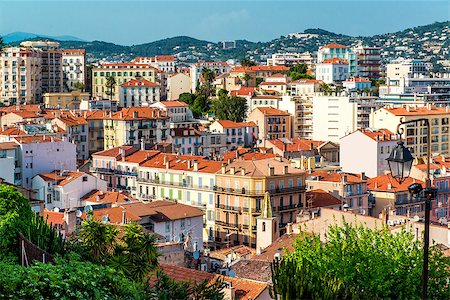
x: 344, y: 179
x: 70, y: 217
x: 142, y: 144
x: 271, y: 171
x: 135, y: 114
x: 124, y: 217
x: 408, y: 109
x: 189, y: 164
x: 289, y: 228
x: 122, y: 153
x: 232, y: 170
x: 363, y: 176
x: 243, y: 172
x: 286, y: 170
x: 311, y: 146
x: 165, y: 159
x: 230, y: 161
x: 195, y: 166
x: 389, y: 186
x: 97, y: 198
x: 224, y: 168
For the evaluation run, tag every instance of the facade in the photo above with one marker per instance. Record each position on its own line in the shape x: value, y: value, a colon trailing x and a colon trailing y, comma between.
x: 138, y: 92
x: 9, y: 162
x: 122, y: 72
x: 196, y: 71
x: 272, y: 123
x: 369, y: 61
x: 96, y: 137
x: 73, y: 67
x: 338, y: 115
x: 291, y: 59
x: 237, y: 134
x: 64, y: 189
x: 67, y: 100
x: 333, y: 70
x: 357, y: 84
x: 77, y: 132
x: 334, y: 50
x: 186, y: 140
x: 374, y: 147
x: 164, y: 63
x: 241, y: 187
x: 441, y: 211
x: 350, y: 189
x: 304, y: 87
x: 178, y: 84
x: 415, y: 134
x: 179, y: 112
x: 134, y: 125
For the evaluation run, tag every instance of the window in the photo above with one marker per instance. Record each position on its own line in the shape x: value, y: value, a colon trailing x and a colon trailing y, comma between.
x: 167, y: 226
x: 182, y: 224
x: 263, y: 226
x: 85, y: 178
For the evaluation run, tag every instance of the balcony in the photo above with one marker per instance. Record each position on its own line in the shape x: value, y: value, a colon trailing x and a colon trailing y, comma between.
x: 127, y: 173
x: 229, y: 207
x: 288, y: 207
x: 123, y: 187
x: 147, y: 197
x: 229, y: 225
x: 102, y: 170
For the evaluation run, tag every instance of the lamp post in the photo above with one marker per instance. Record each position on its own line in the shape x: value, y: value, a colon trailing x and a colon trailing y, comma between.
x: 400, y: 163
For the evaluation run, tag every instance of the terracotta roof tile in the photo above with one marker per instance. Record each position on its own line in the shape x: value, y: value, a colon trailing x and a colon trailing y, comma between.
x: 8, y: 145
x: 388, y: 184
x: 270, y: 111
x: 185, y: 274
x: 419, y: 111
x: 335, y: 61
x: 116, y: 151
x: 231, y: 124
x: 296, y: 144
x: 114, y: 214
x: 286, y: 241
x: 97, y: 196
x: 173, y: 103
x: 336, y: 177
x: 139, y: 82
x: 161, y: 211
x: 334, y: 45
x: 321, y: 198
x: 54, y: 218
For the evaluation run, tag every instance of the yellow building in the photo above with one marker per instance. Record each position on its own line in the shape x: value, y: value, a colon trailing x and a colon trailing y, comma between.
x: 70, y: 100
x: 122, y: 72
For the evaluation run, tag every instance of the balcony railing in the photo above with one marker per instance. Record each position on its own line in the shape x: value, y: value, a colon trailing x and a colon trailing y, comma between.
x: 176, y: 184
x: 129, y: 173
x: 225, y: 224
x: 102, y: 170
x: 288, y: 207
x: 147, y: 197
x: 244, y: 191
x: 229, y: 207
x: 123, y: 187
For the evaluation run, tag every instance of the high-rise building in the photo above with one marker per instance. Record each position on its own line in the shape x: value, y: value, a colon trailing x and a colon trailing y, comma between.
x: 369, y: 61
x: 74, y: 67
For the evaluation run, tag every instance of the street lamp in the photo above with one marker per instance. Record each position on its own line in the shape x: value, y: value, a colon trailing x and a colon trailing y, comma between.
x: 400, y: 163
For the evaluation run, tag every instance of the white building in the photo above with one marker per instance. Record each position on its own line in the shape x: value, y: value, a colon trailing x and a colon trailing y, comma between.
x: 366, y: 151
x: 178, y: 84
x: 9, y: 162
x: 64, y: 189
x: 179, y: 112
x: 291, y: 59
x: 243, y: 134
x: 44, y: 154
x: 138, y: 92
x: 332, y: 70
x: 165, y: 63
x: 77, y: 131
x: 74, y: 67
x: 355, y: 84
x: 334, y: 50
x: 196, y: 71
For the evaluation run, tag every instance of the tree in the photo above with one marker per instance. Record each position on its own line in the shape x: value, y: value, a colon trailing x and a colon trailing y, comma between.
x: 200, y: 106
x: 78, y: 86
x: 188, y: 98
x: 246, y: 78
x: 246, y: 62
x: 325, y: 88
x: 299, y: 68
x: 110, y: 83
x: 359, y: 263
x: 230, y: 108
x: 2, y: 45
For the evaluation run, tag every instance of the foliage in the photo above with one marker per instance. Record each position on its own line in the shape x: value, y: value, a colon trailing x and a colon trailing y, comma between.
x: 44, y: 235
x: 297, y: 76
x: 232, y: 108
x: 2, y: 44
x: 259, y: 80
x: 110, y: 83
x: 246, y: 62
x: 78, y: 86
x: 66, y: 279
x: 325, y: 88
x: 246, y: 78
x: 359, y: 263
x: 299, y: 68
x: 188, y: 98
x: 200, y: 105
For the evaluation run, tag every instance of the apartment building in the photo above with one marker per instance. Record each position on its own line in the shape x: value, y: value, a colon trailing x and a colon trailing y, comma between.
x: 20, y: 75
x: 122, y: 72
x: 73, y: 67
x: 64, y: 189
x: 304, y: 87
x: 164, y: 63
x: 300, y: 108
x: 369, y: 61
x: 244, y: 134
x: 335, y: 116
x: 441, y: 211
x: 51, y: 65
x: 254, y: 101
x: 186, y: 140
x: 77, y: 131
x: 179, y: 112
x: 374, y: 147
x: 415, y: 135
x: 138, y: 92
x: 241, y: 186
x: 9, y: 162
x: 96, y: 139
x: 291, y: 59
x: 134, y: 125
x: 196, y: 71
x: 334, y: 50
x: 272, y: 123
x: 357, y: 84
x: 67, y: 100
x: 350, y: 188
x: 333, y: 70
x: 178, y: 84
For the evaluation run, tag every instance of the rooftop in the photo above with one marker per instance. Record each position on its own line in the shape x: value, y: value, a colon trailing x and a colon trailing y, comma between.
x: 334, y: 177
x: 270, y: 111
x: 231, y: 124
x: 385, y: 183
x: 139, y: 82
x: 103, y: 197
x: 321, y: 198
x: 162, y: 211
x: 295, y: 144
x: 61, y: 177
x: 418, y: 111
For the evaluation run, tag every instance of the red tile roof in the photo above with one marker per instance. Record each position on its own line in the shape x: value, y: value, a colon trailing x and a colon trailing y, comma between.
x: 54, y: 218
x: 358, y: 79
x: 284, y: 242
x: 321, y: 198
x: 116, y: 152
x: 61, y: 178
x: 336, y: 177
x: 335, y: 61
x: 232, y: 124
x: 138, y: 113
x: 97, y: 196
x: 307, y: 81
x: 417, y: 111
x: 139, y: 82
x: 273, y: 83
x: 379, y: 134
x: 269, y: 68
x: 13, y: 131
x: 32, y: 139
x: 114, y: 214
x: 174, y: 103
x: 270, y: 111
x: 334, y: 45
x: 8, y: 145
x: 161, y: 211
x: 165, y: 57
x: 74, y: 51
x: 386, y: 183
x: 244, y: 91
x: 296, y: 144
x: 184, y: 274
x: 180, y: 162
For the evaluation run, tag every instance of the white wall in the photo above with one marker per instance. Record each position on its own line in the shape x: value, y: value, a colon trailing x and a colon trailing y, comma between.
x: 196, y: 225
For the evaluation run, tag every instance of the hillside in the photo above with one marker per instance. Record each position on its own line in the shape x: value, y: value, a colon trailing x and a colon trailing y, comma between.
x: 429, y: 42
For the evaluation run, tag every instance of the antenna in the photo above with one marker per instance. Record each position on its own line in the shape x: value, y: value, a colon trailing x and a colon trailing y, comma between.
x: 176, y: 239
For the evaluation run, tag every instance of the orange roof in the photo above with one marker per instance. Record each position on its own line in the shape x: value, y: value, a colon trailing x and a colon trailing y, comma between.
x: 53, y: 217
x: 270, y: 111
x: 72, y: 120
x: 97, y: 196
x: 13, y: 131
x: 246, y: 289
x: 278, y: 75
x: 334, y: 45
x: 245, y: 154
x: 22, y: 107
x: 173, y: 103
x: 231, y: 124
x: 138, y: 113
x: 139, y: 82
x: 161, y: 211
x: 321, y: 198
x: 26, y: 114
x: 114, y: 214
x: 180, y: 162
x: 244, y: 91
x: 62, y: 178
x: 417, y: 111
x: 130, y: 64
x: 335, y: 61
x: 96, y: 114
x: 286, y: 241
x: 379, y: 134
x: 296, y: 144
x: 184, y: 274
x: 307, y: 81
x: 242, y: 70
x: 165, y: 57
x: 116, y: 152
x: 336, y: 177
x: 386, y: 183
x: 140, y: 156
x: 8, y: 145
x: 211, y: 63
x: 269, y: 68
x: 32, y: 139
x: 273, y: 83
x: 74, y: 51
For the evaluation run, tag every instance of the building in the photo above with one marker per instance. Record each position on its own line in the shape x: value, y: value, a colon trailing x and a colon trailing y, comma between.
x: 179, y: 112
x: 122, y: 72
x: 9, y: 162
x: 66, y: 100
x: 369, y: 61
x: 350, y: 189
x: 186, y: 140
x: 20, y: 75
x: 244, y: 134
x: 164, y: 63
x: 357, y: 84
x: 134, y: 125
x: 318, y: 199
x: 77, y: 131
x: 138, y: 92
x: 389, y: 195
x: 196, y: 71
x: 73, y: 67
x: 304, y: 87
x: 374, y: 147
x: 178, y: 84
x: 334, y: 50
x: 272, y: 123
x: 96, y: 139
x: 291, y: 59
x: 109, y: 198
x: 415, y: 134
x: 64, y: 189
x: 333, y: 70
x: 441, y: 211
x: 241, y: 186
x: 335, y: 116
x: 43, y: 154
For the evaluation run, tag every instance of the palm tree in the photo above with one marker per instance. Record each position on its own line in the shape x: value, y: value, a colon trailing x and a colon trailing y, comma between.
x: 78, y: 86
x: 246, y: 78
x: 110, y: 83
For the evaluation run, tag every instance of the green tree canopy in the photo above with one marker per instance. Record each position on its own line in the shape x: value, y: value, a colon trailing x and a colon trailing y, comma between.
x: 110, y: 83
x: 188, y: 98
x: 78, y: 86
x: 246, y: 62
x: 299, y: 68
x: 359, y: 263
x: 232, y: 108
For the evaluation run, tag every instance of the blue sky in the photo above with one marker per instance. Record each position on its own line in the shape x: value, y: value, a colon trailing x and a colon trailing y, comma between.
x: 131, y: 22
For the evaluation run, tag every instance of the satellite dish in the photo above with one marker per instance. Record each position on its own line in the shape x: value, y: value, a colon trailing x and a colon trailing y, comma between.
x: 56, y: 209
x: 345, y: 207
x: 362, y: 211
x: 416, y: 218
x: 176, y: 239
x: 196, y: 254
x: 232, y: 273
x: 88, y: 208
x: 88, y: 217
x: 79, y: 213
x: 185, y: 232
x: 105, y: 219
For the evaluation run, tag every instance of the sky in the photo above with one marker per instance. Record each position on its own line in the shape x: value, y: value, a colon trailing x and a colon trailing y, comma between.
x: 135, y: 22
